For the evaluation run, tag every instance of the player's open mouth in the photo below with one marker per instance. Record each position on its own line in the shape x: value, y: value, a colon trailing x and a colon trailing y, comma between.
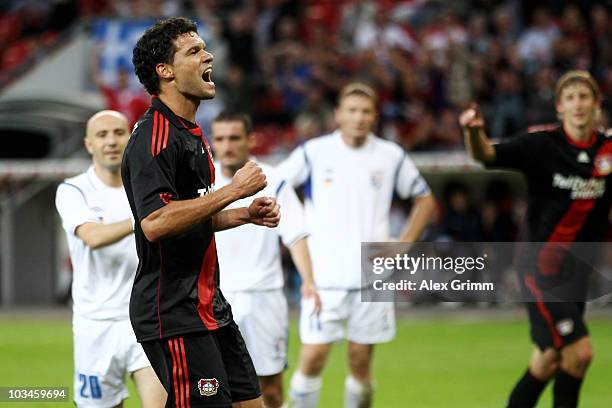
x: 207, y: 76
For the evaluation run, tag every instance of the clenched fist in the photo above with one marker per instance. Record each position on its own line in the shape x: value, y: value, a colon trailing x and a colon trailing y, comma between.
x: 471, y: 118
x: 264, y: 211
x: 249, y: 179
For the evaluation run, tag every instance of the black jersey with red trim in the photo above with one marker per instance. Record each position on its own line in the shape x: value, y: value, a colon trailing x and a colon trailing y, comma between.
x: 569, y: 183
x: 176, y: 289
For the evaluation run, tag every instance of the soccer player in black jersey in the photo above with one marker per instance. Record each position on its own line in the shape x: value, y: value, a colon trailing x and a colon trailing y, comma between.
x: 177, y: 310
x: 568, y: 171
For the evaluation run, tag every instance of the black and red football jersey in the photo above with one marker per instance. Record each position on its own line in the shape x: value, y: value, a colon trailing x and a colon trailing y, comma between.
x: 569, y: 183
x: 176, y: 289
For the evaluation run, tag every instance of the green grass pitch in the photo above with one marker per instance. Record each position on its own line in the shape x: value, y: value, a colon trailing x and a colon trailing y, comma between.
x: 438, y: 362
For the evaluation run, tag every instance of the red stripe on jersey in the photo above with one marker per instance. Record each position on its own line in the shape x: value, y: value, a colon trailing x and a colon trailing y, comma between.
x: 553, y: 252
x: 160, y: 134
x: 206, y: 286
x: 174, y: 375
x: 533, y: 288
x: 180, y: 372
x: 211, y: 164
x: 166, y: 132
x: 184, y: 361
x: 154, y: 134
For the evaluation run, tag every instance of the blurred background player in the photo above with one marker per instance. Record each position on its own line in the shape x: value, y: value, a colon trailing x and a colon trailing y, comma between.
x: 99, y: 227
x: 350, y: 178
x: 559, y: 211
x: 177, y: 309
x: 250, y: 258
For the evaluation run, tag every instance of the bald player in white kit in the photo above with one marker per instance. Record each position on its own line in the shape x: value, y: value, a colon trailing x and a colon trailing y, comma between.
x: 250, y: 260
x: 99, y: 228
x: 349, y: 178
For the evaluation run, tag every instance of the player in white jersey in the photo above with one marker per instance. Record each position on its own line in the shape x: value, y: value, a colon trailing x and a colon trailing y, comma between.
x: 349, y: 178
x: 99, y: 227
x: 250, y: 261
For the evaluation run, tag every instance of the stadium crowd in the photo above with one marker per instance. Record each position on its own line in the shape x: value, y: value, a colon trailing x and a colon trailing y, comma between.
x: 284, y: 61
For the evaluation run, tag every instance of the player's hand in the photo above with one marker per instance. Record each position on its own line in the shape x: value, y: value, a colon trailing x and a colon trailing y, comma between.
x: 471, y: 119
x: 264, y: 211
x: 308, y: 291
x: 249, y: 179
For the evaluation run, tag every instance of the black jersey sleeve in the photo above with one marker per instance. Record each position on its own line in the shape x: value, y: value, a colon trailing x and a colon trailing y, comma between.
x: 153, y: 168
x: 520, y: 153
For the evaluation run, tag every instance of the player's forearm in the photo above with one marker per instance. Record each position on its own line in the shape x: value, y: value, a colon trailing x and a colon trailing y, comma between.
x: 96, y: 235
x: 420, y: 216
x: 232, y: 218
x: 179, y: 216
x: 301, y: 259
x: 479, y: 146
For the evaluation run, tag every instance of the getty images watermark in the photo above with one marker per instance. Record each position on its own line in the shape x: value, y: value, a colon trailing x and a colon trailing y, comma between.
x: 485, y: 271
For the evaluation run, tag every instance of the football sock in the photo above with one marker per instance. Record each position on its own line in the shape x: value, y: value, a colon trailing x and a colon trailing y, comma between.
x: 357, y: 394
x: 566, y: 390
x: 526, y: 392
x: 304, y: 391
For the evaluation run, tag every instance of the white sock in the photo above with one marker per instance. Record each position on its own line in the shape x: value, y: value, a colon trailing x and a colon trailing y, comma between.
x: 356, y: 394
x: 304, y: 391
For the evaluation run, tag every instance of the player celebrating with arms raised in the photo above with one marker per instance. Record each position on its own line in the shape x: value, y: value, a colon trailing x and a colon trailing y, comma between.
x: 177, y: 310
x: 558, y: 211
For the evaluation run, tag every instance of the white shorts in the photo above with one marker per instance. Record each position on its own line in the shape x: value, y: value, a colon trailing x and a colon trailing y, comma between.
x: 344, y: 315
x: 263, y: 321
x: 104, y: 352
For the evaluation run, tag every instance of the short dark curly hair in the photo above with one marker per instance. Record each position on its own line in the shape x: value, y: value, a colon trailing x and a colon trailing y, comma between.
x: 156, y: 46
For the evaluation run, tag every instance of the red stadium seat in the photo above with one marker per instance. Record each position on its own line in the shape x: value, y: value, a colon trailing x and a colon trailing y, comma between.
x: 15, y: 54
x: 10, y: 28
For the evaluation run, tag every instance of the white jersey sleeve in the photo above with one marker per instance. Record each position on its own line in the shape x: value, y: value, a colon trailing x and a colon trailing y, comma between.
x: 296, y: 167
x: 409, y: 183
x: 72, y: 207
x: 292, y: 226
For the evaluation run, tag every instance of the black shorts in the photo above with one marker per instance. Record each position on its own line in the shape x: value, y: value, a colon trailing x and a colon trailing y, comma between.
x: 211, y: 369
x: 556, y: 324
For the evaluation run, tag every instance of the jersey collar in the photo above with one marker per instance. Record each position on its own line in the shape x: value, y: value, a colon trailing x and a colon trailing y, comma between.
x: 95, y: 181
x: 176, y: 120
x: 581, y: 145
x: 365, y: 146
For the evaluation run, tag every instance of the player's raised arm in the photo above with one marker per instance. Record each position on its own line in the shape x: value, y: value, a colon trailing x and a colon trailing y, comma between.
x: 181, y: 215
x: 476, y: 140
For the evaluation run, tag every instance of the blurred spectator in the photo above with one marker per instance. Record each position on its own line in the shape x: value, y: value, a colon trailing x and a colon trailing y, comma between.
x: 497, y: 223
x: 460, y: 220
x: 240, y: 36
x: 236, y: 90
x: 601, y: 32
x: 508, y: 108
x: 541, y: 98
x: 535, y: 46
x: 120, y: 96
x: 381, y: 34
x: 317, y: 108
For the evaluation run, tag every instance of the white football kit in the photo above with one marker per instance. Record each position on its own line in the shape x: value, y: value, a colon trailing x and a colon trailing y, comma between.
x: 348, y: 193
x: 105, y: 347
x: 252, y: 276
